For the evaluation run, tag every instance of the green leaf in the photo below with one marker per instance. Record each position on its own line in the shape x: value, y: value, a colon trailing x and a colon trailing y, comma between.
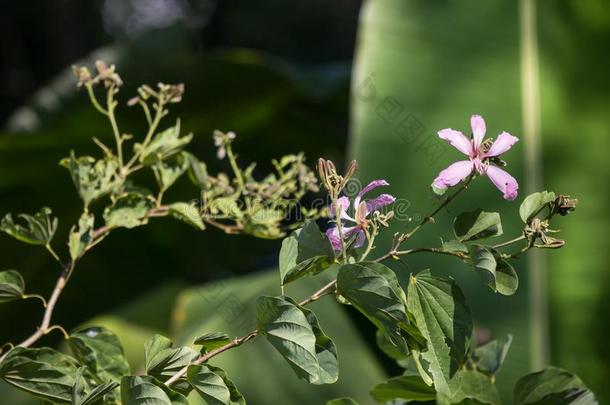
x: 80, y: 238
x: 288, y: 330
x: 477, y: 224
x: 534, y: 203
x: 12, y: 286
x: 212, y: 384
x: 141, y: 390
x: 265, y: 223
x: 469, y: 386
x: 163, y: 145
x: 454, y: 246
x: 79, y: 391
x: 305, y: 251
x: 373, y: 289
x: 342, y: 401
x: 489, y: 357
x: 198, y: 173
x: 188, y: 213
x: 93, y: 178
x: 406, y: 387
x: 128, y: 211
x: 326, y: 350
x: 38, y: 229
x: 169, y: 170
x: 163, y: 360
x: 100, y: 350
x: 211, y: 341
x: 44, y: 373
x: 552, y: 386
x: 226, y: 206
x: 444, y: 319
x: 495, y: 272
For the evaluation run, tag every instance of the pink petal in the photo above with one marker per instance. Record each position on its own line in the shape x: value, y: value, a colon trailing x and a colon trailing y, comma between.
x: 457, y: 140
x: 343, y: 206
x: 333, y: 235
x: 503, y: 181
x: 503, y: 142
x: 477, y: 123
x: 379, y: 202
x: 360, y: 238
x: 453, y: 174
x: 373, y: 185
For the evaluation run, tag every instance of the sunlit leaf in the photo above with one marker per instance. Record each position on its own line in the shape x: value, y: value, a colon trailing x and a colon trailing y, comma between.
x: 477, y: 224
x: 12, y: 286
x: 128, y: 211
x: 93, y: 178
x: 163, y: 145
x: 188, y: 213
x: 37, y: 229
x: 406, y: 387
x: 534, y: 203
x: 444, y: 319
x: 552, y: 386
x: 81, y: 237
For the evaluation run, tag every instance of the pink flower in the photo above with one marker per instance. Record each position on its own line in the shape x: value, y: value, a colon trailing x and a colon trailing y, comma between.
x: 362, y: 209
x: 480, y: 156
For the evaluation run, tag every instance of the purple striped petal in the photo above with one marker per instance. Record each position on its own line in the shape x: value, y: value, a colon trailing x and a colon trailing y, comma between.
x: 453, y: 174
x: 477, y: 123
x: 379, y: 202
x: 360, y: 238
x: 504, y: 182
x: 457, y: 140
x: 372, y: 185
x: 333, y: 235
x: 503, y: 142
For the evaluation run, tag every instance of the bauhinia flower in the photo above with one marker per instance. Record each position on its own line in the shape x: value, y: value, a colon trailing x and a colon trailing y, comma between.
x: 480, y: 156
x: 357, y: 225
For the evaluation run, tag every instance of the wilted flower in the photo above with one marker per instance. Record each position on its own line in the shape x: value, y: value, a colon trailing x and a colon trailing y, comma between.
x: 362, y: 210
x: 107, y: 74
x: 563, y: 205
x: 480, y: 156
x: 172, y: 92
x: 221, y: 140
x: 83, y: 75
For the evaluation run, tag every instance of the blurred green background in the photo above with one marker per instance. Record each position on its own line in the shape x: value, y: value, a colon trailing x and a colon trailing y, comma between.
x: 313, y: 76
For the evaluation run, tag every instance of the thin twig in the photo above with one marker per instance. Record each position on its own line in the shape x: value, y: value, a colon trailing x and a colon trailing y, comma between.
x: 403, y: 238
x: 327, y: 289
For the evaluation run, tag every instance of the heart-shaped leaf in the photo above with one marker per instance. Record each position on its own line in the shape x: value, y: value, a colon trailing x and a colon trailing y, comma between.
x: 444, y: 319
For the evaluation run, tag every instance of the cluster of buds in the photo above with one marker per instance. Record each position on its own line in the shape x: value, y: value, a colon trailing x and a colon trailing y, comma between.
x: 537, y: 233
x: 105, y: 74
x: 332, y: 181
x: 168, y: 93
x: 383, y: 219
x: 563, y: 205
x: 221, y: 140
